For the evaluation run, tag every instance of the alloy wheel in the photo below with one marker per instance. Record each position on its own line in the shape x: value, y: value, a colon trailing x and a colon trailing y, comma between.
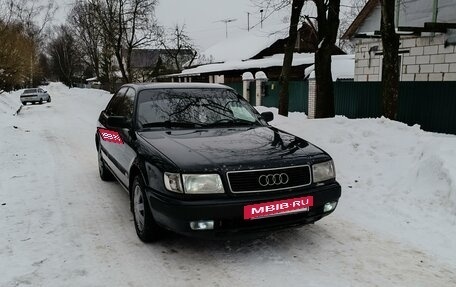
x: 138, y: 207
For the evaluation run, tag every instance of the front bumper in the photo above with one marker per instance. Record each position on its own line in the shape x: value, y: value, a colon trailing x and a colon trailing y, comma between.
x: 228, y: 213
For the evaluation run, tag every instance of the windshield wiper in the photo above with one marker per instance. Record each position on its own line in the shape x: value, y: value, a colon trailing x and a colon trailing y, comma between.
x: 232, y: 122
x: 170, y: 124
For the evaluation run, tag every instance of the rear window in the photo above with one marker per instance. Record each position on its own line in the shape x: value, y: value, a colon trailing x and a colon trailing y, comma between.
x: 29, y: 91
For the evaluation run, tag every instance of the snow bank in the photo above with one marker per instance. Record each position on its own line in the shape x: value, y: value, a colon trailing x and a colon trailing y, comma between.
x: 397, y: 179
x: 432, y: 177
x: 10, y: 102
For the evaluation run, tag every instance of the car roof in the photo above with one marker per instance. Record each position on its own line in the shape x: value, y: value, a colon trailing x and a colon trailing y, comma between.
x: 148, y: 86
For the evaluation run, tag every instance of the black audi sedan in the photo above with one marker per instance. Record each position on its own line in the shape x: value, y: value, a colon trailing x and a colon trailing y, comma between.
x: 199, y: 160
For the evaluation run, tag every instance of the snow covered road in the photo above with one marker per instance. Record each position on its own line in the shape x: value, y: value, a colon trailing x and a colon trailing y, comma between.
x: 60, y: 225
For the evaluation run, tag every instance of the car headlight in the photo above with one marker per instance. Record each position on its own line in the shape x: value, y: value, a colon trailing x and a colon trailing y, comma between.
x: 323, y: 171
x: 202, y: 183
x: 194, y: 183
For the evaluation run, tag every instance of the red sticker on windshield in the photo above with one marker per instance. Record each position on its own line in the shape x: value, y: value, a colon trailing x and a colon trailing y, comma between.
x: 110, y: 136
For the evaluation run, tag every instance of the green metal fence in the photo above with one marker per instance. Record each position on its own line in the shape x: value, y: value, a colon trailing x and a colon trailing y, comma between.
x: 239, y: 89
x: 236, y: 86
x: 357, y: 99
x: 298, y: 91
x: 432, y: 105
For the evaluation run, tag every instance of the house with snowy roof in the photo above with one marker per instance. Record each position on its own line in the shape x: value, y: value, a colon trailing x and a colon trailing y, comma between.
x: 148, y: 63
x: 253, y: 51
x: 427, y: 30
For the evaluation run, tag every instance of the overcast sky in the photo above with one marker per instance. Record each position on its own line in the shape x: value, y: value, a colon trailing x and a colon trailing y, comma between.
x: 204, y: 18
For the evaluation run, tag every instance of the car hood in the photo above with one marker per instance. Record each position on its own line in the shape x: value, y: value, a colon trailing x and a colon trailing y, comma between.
x: 242, y: 148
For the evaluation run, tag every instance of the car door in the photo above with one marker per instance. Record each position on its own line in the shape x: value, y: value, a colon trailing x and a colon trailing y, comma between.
x: 40, y: 94
x: 120, y: 154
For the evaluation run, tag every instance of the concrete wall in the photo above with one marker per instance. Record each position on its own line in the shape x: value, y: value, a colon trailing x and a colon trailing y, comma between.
x: 424, y: 59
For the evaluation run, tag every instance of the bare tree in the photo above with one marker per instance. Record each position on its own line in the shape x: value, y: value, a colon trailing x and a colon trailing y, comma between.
x: 273, y: 6
x: 347, y: 16
x: 288, y: 57
x: 22, y: 23
x: 16, y: 50
x: 328, y: 24
x: 33, y: 16
x: 390, y: 68
x: 126, y: 24
x: 139, y: 26
x: 84, y: 22
x: 65, y: 55
x: 327, y: 28
x: 177, y: 46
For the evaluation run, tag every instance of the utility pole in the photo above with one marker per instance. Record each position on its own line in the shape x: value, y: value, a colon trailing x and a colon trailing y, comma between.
x: 261, y: 18
x: 31, y: 70
x: 435, y: 10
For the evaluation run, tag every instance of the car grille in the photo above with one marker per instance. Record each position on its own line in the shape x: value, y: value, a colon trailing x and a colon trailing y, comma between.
x: 269, y: 179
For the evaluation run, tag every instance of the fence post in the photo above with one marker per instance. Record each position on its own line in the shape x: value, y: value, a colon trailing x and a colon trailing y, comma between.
x: 247, y: 78
x: 311, y: 98
x: 261, y: 80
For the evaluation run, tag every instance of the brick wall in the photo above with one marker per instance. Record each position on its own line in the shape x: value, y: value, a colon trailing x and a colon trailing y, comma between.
x: 311, y: 98
x: 425, y: 59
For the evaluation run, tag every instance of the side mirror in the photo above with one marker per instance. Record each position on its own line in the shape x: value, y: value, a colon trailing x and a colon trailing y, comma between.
x: 267, y: 116
x: 117, y: 122
x: 45, y: 92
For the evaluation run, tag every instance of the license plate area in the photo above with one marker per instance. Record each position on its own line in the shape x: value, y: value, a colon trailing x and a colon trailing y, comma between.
x: 277, y: 208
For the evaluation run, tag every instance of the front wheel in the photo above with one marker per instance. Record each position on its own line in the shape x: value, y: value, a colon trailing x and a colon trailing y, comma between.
x: 49, y: 100
x: 146, y: 228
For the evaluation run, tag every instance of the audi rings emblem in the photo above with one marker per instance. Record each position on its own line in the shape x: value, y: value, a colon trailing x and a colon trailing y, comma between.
x: 273, y: 179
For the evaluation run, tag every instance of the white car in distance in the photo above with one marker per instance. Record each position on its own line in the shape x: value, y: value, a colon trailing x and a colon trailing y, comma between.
x: 34, y: 96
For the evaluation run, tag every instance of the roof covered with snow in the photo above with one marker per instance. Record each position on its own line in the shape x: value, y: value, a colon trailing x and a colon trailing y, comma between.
x: 267, y: 62
x: 244, y: 45
x: 342, y: 67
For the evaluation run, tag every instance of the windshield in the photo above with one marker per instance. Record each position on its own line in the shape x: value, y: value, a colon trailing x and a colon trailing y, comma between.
x: 193, y: 108
x: 30, y: 91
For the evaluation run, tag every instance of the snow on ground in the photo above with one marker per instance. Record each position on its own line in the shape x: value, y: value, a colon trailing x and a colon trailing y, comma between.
x: 62, y: 226
x: 397, y: 179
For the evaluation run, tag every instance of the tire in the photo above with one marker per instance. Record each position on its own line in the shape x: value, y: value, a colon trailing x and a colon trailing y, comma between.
x: 24, y: 103
x: 105, y: 173
x: 145, y: 225
x: 49, y: 100
x: 41, y: 101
